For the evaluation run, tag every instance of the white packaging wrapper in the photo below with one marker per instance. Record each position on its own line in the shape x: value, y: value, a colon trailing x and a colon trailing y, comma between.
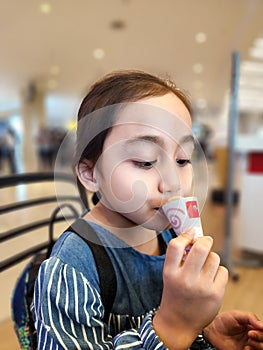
x: 183, y: 214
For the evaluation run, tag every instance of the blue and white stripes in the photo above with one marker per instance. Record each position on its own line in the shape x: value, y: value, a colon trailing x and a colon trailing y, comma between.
x: 68, y: 314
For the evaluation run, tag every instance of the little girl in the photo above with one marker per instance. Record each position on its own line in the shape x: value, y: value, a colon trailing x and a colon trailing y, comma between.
x: 134, y: 147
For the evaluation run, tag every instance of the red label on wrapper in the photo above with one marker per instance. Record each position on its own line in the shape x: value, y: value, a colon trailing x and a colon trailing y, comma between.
x: 192, y: 209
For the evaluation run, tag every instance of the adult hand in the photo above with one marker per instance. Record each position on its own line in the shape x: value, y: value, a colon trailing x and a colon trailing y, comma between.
x: 194, y: 287
x: 235, y: 330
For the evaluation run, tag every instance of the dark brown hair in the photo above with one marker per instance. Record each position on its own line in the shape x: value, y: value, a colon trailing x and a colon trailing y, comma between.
x: 115, y: 88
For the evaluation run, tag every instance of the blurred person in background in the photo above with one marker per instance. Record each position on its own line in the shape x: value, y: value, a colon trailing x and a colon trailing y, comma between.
x: 7, y: 149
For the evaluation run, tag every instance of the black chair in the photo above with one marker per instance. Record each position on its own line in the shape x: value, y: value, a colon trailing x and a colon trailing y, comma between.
x: 61, y: 208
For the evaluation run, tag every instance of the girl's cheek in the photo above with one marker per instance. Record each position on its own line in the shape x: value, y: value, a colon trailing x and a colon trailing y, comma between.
x: 124, y: 184
x: 121, y: 191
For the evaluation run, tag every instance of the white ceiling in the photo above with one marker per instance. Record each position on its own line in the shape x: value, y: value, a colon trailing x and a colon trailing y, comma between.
x: 56, y: 49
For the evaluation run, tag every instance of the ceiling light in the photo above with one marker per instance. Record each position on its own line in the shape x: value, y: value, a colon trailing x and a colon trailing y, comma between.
x: 198, y: 68
x: 200, y: 38
x: 45, y: 8
x: 99, y: 54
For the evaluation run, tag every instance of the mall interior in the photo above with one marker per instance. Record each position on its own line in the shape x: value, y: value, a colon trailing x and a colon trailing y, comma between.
x: 52, y: 51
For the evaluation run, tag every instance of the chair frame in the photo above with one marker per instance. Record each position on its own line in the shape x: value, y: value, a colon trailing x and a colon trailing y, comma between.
x: 56, y: 216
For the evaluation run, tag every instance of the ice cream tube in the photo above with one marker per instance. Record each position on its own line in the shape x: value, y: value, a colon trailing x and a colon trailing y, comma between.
x: 183, y: 214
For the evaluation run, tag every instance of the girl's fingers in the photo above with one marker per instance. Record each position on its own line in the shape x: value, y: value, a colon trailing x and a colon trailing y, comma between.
x: 176, y: 249
x: 200, y: 263
x: 197, y: 257
x: 221, y: 278
x: 211, y: 265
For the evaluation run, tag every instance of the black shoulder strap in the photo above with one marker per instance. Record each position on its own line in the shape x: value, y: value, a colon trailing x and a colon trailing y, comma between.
x: 106, y: 272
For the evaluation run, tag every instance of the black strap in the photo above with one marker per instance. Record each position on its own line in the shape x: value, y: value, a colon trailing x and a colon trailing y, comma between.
x: 106, y: 272
x: 173, y: 234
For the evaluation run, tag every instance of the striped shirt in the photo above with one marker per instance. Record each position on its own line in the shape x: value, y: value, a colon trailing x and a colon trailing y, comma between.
x: 67, y: 307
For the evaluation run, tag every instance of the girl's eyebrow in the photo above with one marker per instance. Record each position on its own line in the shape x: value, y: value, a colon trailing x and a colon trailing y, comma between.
x: 187, y: 139
x: 145, y: 138
x: 157, y: 140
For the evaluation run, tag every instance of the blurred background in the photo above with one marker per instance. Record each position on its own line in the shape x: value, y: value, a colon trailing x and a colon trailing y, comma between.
x: 52, y: 51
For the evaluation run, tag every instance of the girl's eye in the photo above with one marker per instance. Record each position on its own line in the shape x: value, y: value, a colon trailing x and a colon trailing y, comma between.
x: 183, y: 162
x: 145, y: 164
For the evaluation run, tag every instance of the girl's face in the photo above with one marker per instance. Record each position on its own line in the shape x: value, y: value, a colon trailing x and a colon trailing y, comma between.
x: 146, y: 160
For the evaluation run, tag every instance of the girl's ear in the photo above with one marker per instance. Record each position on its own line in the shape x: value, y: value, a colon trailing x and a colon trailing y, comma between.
x: 85, y: 173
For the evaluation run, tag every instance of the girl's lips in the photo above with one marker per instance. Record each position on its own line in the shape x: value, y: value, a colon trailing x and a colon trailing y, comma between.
x: 159, y: 210
x: 160, y: 205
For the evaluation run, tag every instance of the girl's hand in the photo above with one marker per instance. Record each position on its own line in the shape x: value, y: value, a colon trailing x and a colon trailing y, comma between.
x: 236, y: 330
x: 194, y: 287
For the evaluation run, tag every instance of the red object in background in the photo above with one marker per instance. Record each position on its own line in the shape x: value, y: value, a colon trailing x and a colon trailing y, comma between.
x: 255, y: 163
x: 192, y: 209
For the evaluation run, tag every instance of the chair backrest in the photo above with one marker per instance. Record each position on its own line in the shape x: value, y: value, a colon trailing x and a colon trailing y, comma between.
x: 30, y: 206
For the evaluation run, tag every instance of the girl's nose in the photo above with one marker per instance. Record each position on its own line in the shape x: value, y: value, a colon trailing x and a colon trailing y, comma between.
x: 170, y: 181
